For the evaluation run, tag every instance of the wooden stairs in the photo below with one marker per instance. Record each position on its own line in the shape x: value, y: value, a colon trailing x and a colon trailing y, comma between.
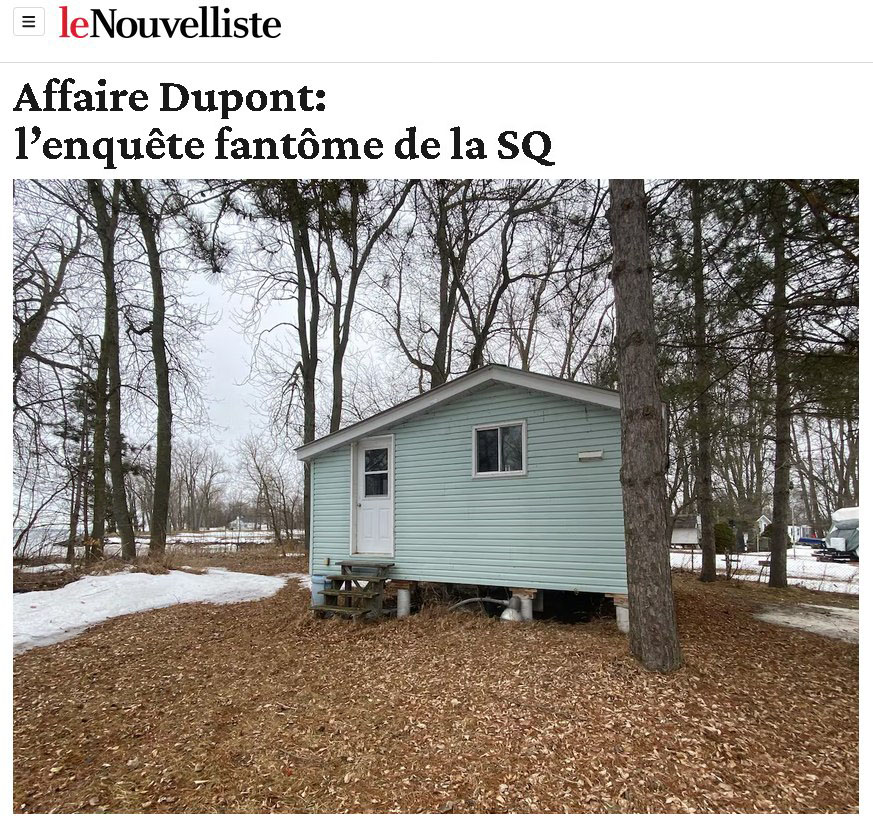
x: 358, y: 591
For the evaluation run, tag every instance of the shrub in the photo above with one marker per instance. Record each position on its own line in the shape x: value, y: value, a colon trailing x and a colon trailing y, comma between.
x: 724, y: 538
x: 768, y: 533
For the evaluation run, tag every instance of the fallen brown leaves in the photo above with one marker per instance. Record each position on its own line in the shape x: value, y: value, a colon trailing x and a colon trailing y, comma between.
x: 259, y: 707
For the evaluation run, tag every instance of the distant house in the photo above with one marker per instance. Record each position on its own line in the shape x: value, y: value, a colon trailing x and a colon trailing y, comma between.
x: 686, y: 531
x: 798, y: 531
x: 500, y: 478
x: 795, y: 531
x: 238, y: 524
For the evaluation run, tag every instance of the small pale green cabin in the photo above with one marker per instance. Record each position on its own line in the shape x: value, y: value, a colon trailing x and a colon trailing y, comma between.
x: 498, y: 478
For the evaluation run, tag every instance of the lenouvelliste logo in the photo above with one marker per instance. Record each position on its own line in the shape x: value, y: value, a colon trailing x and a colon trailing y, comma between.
x: 212, y: 22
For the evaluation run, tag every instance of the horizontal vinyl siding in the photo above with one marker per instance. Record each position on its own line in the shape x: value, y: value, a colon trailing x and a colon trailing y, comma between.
x: 330, y: 508
x: 558, y: 527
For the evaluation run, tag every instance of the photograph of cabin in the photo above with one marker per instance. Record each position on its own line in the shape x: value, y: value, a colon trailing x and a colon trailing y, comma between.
x: 499, y: 478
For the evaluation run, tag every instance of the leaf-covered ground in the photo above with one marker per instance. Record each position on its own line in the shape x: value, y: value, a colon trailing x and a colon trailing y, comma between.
x: 257, y: 707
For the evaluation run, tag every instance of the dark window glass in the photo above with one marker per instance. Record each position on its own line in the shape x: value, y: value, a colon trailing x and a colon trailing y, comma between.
x: 486, y: 450
x: 376, y: 485
x: 510, y: 448
x: 376, y: 460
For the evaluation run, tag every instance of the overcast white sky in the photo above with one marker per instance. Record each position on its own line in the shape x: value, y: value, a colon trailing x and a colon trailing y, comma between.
x: 225, y: 362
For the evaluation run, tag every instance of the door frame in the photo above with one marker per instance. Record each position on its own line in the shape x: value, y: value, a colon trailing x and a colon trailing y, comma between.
x: 354, y: 452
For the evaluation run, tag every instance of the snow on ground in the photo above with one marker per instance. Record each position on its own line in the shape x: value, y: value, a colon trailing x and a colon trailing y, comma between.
x: 302, y: 579
x: 803, y: 569
x: 44, y: 568
x: 210, y: 540
x: 207, y: 542
x: 46, y: 617
x: 834, y: 622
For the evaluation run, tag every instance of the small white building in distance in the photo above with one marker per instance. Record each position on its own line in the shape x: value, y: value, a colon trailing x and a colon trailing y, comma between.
x: 686, y: 531
x: 238, y: 524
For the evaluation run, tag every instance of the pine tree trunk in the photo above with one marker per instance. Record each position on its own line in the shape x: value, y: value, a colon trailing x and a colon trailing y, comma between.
x: 654, y: 638
x: 703, y: 379
x: 164, y: 429
x: 782, y: 405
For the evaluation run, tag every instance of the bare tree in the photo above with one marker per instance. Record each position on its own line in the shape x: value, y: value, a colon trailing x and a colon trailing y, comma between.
x: 149, y: 221
x: 37, y: 288
x: 107, y: 211
x: 197, y: 472
x: 273, y: 483
x: 353, y: 216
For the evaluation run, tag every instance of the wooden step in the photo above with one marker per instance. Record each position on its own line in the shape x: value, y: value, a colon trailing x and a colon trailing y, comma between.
x: 362, y: 562
x: 350, y: 611
x: 354, y: 578
x: 361, y: 572
x: 356, y: 593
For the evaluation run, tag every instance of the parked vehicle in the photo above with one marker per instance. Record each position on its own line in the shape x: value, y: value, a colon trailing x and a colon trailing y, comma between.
x: 841, y: 543
x: 817, y: 543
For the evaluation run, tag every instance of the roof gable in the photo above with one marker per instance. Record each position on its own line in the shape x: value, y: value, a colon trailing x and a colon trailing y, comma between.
x: 685, y: 522
x: 453, y: 389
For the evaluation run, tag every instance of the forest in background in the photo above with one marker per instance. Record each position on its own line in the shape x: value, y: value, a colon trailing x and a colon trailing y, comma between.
x: 359, y: 294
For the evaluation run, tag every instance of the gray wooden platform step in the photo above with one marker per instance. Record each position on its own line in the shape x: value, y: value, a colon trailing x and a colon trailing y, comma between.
x: 360, y: 593
x: 355, y: 576
x: 351, y: 612
x: 356, y: 592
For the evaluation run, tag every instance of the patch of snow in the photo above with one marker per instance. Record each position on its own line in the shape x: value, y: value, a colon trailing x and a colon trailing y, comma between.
x: 215, y: 540
x: 42, y: 618
x: 45, y: 568
x: 804, y: 570
x: 303, y: 580
x: 834, y: 622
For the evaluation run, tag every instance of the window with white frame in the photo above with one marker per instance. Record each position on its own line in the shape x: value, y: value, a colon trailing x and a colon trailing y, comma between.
x: 500, y: 449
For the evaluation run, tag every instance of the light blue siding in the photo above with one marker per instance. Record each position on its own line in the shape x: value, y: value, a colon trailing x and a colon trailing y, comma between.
x: 331, y: 506
x: 558, y: 527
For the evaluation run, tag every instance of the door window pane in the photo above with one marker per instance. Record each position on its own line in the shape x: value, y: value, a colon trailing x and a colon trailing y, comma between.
x: 486, y: 450
x: 510, y: 448
x: 375, y: 460
x: 376, y: 485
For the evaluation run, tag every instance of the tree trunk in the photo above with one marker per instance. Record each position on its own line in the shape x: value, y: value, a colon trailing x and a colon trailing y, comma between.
x: 439, y: 369
x: 654, y: 639
x: 308, y: 435
x: 98, y: 531
x: 336, y: 403
x: 307, y: 329
x: 703, y: 378
x: 107, y: 220
x: 78, y: 479
x: 782, y: 406
x: 85, y: 535
x: 163, y: 446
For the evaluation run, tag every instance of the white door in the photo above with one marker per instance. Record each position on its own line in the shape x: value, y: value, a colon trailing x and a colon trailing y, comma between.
x: 375, y: 496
